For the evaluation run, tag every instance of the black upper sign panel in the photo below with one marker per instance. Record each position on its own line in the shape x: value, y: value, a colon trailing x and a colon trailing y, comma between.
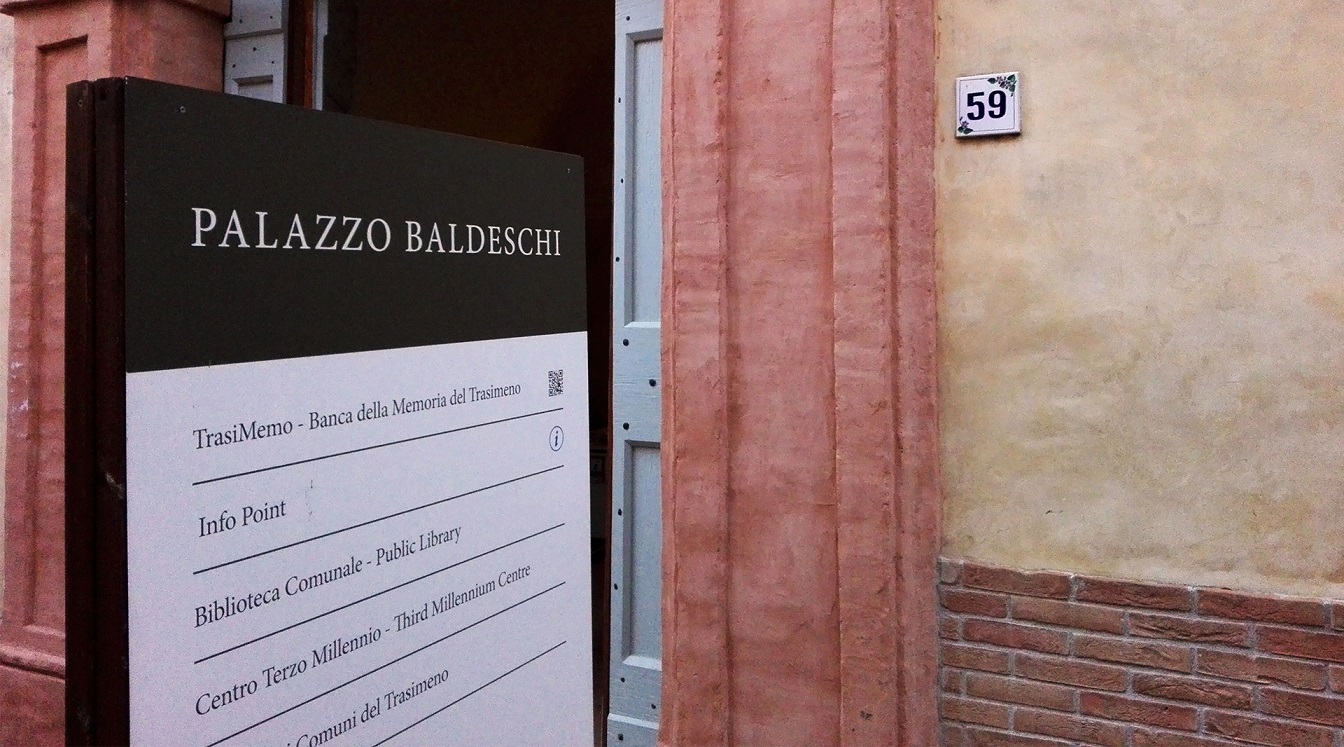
x: 256, y: 231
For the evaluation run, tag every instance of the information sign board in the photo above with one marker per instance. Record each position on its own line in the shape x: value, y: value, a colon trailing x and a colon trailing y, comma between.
x: 355, y: 417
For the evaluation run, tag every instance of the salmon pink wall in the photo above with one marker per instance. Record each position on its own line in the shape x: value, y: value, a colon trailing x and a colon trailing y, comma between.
x: 6, y: 197
x: 800, y: 503
x: 56, y: 43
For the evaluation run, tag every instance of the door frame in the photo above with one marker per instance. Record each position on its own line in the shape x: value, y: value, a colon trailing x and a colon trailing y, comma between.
x: 887, y: 478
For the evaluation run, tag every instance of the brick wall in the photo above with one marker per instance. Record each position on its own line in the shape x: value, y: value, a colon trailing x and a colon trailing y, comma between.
x: 1054, y: 659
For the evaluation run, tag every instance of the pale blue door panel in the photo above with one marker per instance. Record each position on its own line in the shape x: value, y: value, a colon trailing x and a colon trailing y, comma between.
x: 254, y: 49
x: 637, y: 241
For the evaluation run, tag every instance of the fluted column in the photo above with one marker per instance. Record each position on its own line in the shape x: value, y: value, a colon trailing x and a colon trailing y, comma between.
x: 800, y: 488
x: 58, y: 42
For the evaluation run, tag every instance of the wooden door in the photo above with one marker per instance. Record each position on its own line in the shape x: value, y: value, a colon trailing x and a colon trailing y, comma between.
x: 637, y: 247
x: 254, y: 49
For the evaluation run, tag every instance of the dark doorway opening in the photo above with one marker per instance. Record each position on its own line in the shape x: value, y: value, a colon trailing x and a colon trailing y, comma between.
x: 513, y: 71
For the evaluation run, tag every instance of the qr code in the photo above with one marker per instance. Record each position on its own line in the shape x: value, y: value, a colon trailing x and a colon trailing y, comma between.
x: 555, y: 383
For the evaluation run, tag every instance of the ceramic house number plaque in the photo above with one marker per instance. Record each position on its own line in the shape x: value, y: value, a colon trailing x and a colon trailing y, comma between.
x: 989, y: 105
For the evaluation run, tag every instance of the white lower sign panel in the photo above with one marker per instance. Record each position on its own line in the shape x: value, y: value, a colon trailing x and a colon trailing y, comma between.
x: 362, y: 548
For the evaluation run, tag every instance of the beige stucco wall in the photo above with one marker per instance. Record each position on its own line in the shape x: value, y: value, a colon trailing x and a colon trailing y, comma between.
x: 1142, y: 297
x: 6, y: 177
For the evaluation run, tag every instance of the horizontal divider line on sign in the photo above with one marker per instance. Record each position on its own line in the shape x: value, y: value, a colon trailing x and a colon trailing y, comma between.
x: 403, y: 657
x: 245, y: 644
x: 370, y: 448
x: 468, y: 695
x: 374, y: 521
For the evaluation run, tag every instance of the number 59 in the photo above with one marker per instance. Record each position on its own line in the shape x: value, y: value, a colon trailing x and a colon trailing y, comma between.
x: 998, y: 105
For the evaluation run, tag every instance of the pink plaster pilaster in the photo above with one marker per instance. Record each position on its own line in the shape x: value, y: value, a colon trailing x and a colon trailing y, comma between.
x: 801, y: 497
x: 865, y: 403
x: 58, y: 42
x: 696, y: 705
x: 782, y: 592
x: 919, y: 489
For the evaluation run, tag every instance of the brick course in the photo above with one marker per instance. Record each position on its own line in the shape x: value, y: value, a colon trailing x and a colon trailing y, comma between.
x: 1269, y: 670
x: 1042, y: 658
x: 1069, y: 614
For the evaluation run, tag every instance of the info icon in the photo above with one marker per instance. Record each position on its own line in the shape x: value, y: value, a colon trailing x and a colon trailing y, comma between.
x: 557, y: 438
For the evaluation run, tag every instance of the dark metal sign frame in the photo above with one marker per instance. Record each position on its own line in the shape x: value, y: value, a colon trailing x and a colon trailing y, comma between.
x: 141, y: 296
